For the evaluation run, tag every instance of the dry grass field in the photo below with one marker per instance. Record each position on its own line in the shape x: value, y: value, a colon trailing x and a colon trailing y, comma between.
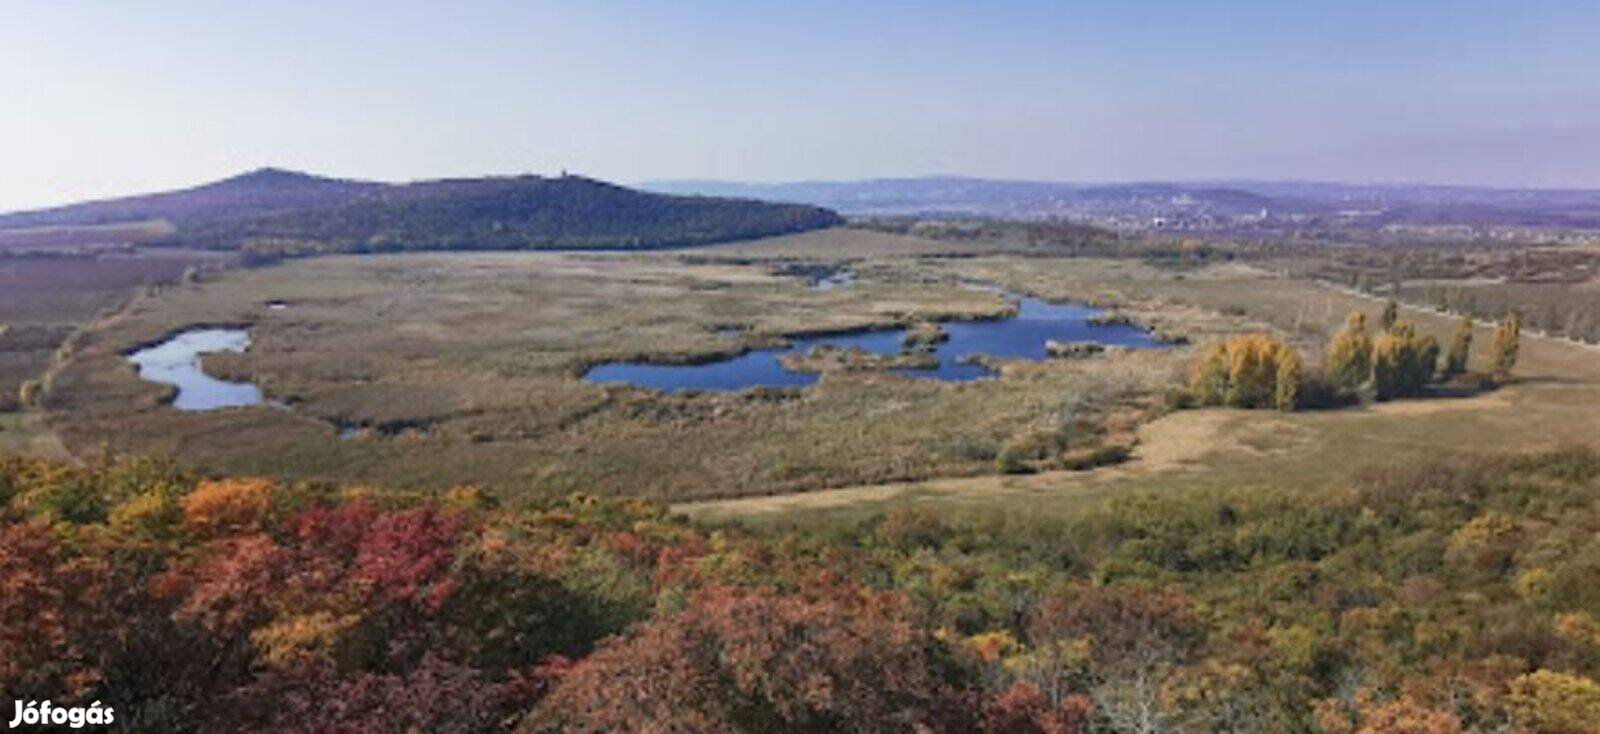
x: 1553, y: 403
x: 447, y: 369
x: 434, y: 370
x: 44, y: 299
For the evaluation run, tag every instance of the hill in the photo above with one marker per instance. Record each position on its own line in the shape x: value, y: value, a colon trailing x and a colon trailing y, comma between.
x: 257, y: 193
x: 297, y: 212
x: 524, y: 212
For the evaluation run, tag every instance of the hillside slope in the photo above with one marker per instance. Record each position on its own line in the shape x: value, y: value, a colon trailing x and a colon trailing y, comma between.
x: 525, y: 212
x: 257, y: 193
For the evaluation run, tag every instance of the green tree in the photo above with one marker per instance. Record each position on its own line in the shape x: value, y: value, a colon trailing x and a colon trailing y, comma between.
x: 1455, y: 361
x: 1503, y: 349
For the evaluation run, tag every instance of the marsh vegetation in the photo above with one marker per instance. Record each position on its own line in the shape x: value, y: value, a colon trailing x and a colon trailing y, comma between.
x: 445, y: 369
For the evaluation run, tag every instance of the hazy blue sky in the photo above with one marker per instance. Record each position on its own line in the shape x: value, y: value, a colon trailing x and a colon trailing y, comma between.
x: 106, y: 98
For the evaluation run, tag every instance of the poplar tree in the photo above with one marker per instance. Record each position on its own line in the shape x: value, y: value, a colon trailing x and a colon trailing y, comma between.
x: 1403, y: 362
x: 1287, y: 392
x: 1455, y: 361
x: 1248, y: 371
x: 1503, y: 350
x: 1390, y: 316
x: 1349, y: 358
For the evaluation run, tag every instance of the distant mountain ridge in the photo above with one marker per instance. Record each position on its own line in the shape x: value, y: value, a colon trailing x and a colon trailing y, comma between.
x: 304, y: 212
x: 1219, y: 202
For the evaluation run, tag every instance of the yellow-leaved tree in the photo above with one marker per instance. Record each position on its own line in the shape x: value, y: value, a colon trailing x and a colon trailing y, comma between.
x: 1455, y: 361
x: 1503, y: 349
x: 1247, y: 371
x: 1349, y: 357
x: 1556, y: 703
x: 1403, y: 362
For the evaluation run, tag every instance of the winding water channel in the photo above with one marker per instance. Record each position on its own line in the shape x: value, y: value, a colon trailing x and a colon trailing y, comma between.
x: 176, y: 362
x: 1020, y: 337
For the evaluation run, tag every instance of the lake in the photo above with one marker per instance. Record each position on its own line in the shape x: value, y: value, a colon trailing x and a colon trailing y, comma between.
x: 1019, y: 337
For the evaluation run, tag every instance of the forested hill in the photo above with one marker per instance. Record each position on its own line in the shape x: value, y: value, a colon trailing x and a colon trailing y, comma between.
x: 526, y: 212
x: 257, y: 193
x: 282, y: 210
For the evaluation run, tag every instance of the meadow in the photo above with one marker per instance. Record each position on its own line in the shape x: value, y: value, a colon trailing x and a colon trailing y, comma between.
x: 432, y: 370
x: 435, y: 370
x: 47, y: 296
x: 1550, y: 404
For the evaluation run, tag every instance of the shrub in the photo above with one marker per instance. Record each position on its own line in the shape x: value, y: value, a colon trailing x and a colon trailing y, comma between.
x: 231, y: 505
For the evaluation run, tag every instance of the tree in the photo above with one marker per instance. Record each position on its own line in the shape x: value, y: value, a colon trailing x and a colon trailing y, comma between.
x: 1349, y: 357
x: 1024, y: 709
x: 1503, y: 349
x: 1390, y: 315
x: 1366, y: 715
x: 1556, y: 703
x: 1252, y: 371
x: 1287, y: 394
x: 1455, y: 361
x: 1208, y: 380
x: 1136, y: 636
x: 1402, y: 362
x: 1247, y: 371
x: 839, y: 659
x: 29, y: 393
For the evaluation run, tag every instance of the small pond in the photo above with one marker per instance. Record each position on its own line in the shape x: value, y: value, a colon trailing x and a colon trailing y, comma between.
x: 1021, y: 337
x: 176, y: 362
x: 833, y: 281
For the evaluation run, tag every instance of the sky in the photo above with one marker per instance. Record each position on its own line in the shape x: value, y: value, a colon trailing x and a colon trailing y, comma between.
x: 103, y: 99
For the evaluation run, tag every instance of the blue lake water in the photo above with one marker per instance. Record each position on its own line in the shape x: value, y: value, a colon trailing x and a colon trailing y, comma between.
x: 1021, y: 337
x: 176, y: 362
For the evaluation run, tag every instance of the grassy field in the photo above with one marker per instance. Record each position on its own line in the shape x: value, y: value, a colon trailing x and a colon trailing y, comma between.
x: 464, y: 369
x: 1551, y: 404
x: 44, y: 299
x: 435, y: 370
x: 84, y: 236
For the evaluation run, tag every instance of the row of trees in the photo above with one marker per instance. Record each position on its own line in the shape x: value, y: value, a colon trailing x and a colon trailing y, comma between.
x: 1392, y: 360
x: 1396, y: 362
